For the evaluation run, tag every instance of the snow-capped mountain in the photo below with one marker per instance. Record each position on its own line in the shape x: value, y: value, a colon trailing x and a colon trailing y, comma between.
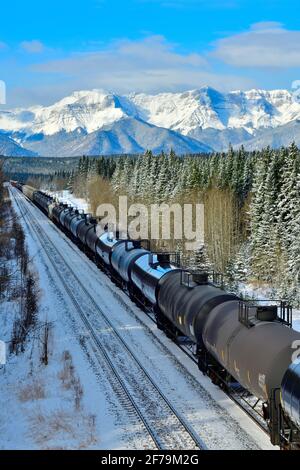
x: 207, y: 108
x: 95, y: 122
x: 88, y: 110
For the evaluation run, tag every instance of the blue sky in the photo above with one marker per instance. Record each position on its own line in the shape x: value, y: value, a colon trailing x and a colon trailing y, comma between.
x: 50, y: 49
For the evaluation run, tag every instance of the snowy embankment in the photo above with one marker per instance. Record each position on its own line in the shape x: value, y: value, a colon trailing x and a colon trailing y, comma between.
x: 53, y: 419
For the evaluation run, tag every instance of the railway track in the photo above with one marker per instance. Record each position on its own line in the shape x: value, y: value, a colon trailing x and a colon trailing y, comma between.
x: 138, y: 392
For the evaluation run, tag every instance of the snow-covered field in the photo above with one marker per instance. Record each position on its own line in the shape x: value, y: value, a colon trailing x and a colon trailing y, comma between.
x: 53, y: 419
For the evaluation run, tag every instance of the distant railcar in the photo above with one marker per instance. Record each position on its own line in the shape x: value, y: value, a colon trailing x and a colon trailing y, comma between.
x: 42, y: 200
x: 28, y: 191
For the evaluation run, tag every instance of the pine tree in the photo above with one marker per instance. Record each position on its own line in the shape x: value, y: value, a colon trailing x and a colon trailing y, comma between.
x: 269, y: 225
x: 288, y: 217
x: 294, y: 248
x: 258, y: 229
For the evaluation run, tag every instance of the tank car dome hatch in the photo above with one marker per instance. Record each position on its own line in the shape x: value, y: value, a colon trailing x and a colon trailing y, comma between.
x: 191, y: 278
x: 163, y: 258
x: 266, y: 312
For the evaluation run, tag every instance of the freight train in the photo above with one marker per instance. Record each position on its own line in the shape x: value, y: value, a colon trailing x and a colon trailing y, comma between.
x: 236, y: 342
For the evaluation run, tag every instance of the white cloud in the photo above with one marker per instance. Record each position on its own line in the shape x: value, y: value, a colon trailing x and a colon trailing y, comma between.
x: 32, y: 47
x: 265, y: 44
x: 149, y: 65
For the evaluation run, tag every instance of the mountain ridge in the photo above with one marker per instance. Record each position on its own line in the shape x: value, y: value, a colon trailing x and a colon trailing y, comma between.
x: 127, y: 135
x: 203, y: 118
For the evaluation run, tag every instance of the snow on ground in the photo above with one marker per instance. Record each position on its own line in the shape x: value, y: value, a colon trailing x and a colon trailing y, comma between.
x: 42, y: 407
x: 67, y: 197
x: 51, y: 420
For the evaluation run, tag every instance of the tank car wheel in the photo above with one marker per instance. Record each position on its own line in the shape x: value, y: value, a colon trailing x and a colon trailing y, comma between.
x: 202, y: 367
